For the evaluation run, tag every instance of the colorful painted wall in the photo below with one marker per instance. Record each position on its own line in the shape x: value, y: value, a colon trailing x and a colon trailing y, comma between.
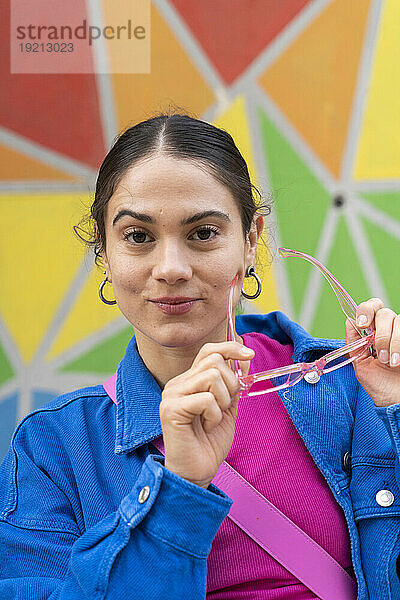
x: 310, y: 90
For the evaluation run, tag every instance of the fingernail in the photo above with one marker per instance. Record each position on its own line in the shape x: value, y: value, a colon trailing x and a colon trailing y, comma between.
x: 362, y: 320
x: 247, y: 351
x: 384, y: 356
x: 395, y: 360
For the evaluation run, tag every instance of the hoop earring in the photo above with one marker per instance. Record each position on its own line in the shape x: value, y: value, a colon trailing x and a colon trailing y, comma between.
x: 251, y: 273
x: 103, y: 283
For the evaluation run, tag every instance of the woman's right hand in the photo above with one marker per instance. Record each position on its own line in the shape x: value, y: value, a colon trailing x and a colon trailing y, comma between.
x: 198, y: 412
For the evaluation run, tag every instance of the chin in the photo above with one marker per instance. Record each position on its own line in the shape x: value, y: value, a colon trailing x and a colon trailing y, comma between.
x: 178, y: 335
x: 181, y: 338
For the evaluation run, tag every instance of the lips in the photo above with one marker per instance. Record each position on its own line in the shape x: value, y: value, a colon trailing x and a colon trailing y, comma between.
x: 177, y: 305
x: 175, y: 300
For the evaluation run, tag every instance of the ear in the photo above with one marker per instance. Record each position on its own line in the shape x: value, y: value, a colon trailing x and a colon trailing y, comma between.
x: 106, y: 266
x: 253, y: 236
x: 103, y: 254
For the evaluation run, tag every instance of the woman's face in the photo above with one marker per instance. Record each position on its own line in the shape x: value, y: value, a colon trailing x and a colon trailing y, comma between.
x: 174, y: 232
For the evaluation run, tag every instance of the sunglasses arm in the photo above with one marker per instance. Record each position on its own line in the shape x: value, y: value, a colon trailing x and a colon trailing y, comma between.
x: 231, y: 331
x: 347, y: 304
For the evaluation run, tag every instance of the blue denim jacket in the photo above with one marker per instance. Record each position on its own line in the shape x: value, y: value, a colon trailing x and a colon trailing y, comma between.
x: 74, y: 523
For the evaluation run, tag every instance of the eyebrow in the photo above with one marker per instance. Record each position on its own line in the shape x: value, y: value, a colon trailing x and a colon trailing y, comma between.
x: 148, y: 219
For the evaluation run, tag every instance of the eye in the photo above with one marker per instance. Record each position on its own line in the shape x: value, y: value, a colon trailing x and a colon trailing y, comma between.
x: 206, y: 233
x: 138, y: 236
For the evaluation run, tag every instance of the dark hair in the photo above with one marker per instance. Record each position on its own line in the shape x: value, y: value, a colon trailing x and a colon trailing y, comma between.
x: 181, y: 136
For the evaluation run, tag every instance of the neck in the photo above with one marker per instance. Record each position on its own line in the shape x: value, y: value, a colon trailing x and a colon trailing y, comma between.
x: 165, y: 363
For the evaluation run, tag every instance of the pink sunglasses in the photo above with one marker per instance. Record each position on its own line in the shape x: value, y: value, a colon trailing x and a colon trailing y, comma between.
x: 284, y: 377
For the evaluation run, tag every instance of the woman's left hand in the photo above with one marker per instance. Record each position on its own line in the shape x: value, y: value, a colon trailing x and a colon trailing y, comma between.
x: 380, y: 376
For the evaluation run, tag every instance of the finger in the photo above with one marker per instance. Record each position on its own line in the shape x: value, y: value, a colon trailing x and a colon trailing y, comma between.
x: 352, y: 335
x: 384, y: 319
x: 366, y: 311
x: 212, y: 415
x: 216, y: 360
x: 395, y: 343
x: 233, y: 408
x: 228, y: 350
x: 200, y: 404
x: 210, y: 380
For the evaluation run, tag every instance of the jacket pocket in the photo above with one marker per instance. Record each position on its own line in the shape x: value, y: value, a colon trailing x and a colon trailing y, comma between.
x: 374, y: 488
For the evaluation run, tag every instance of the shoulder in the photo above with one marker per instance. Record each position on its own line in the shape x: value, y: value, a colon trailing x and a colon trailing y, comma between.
x: 65, y: 406
x: 61, y: 421
x: 51, y: 444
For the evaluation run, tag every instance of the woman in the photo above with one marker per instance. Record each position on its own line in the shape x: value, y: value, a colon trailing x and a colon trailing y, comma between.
x: 89, y: 508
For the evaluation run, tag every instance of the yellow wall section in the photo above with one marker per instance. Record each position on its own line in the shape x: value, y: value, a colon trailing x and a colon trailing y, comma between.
x: 235, y: 121
x: 88, y: 315
x: 39, y: 256
x: 378, y: 153
x: 313, y: 81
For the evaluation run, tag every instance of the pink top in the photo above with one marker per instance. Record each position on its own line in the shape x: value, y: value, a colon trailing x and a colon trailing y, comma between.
x: 268, y: 451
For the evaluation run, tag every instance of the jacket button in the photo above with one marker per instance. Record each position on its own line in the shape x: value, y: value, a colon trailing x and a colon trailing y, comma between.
x: 312, y: 377
x: 346, y: 461
x: 384, y: 498
x: 144, y: 494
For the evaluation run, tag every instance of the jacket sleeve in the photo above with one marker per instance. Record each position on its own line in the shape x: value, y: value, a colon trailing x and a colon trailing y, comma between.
x: 154, y: 546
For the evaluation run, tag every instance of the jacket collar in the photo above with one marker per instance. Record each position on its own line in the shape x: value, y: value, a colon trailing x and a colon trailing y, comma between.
x: 139, y: 395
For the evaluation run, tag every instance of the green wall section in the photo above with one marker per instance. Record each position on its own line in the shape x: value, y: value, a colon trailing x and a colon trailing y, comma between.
x: 344, y: 264
x: 386, y: 251
x: 300, y: 204
x: 6, y: 371
x: 388, y: 202
x: 105, y: 357
x: 385, y: 247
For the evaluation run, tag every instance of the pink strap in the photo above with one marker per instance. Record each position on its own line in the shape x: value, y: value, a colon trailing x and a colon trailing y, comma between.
x: 275, y: 532
x: 111, y: 387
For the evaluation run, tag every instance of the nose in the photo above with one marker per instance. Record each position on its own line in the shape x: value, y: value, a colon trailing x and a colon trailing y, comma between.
x: 172, y: 263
